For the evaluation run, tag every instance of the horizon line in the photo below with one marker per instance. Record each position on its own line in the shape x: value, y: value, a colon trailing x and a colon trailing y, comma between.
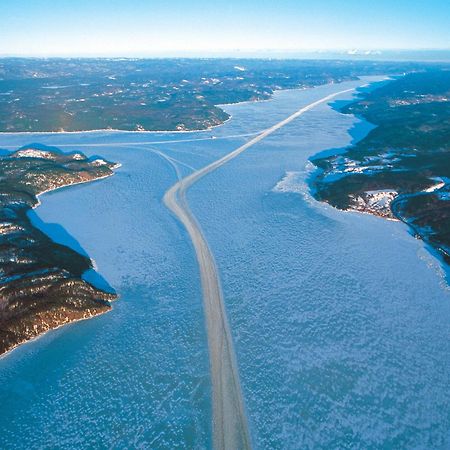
x: 356, y: 50
x: 349, y: 54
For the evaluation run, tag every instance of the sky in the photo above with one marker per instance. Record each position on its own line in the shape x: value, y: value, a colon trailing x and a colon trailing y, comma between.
x: 176, y: 27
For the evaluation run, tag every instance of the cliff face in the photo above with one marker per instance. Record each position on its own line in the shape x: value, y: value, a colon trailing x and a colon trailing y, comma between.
x: 40, y: 281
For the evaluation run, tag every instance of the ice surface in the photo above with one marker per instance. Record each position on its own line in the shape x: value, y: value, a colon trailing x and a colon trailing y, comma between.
x: 341, y: 321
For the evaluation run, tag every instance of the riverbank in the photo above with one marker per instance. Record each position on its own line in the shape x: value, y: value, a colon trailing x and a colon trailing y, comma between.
x: 398, y: 170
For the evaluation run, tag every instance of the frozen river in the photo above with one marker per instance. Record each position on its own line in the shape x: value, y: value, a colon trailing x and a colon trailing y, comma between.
x: 340, y: 321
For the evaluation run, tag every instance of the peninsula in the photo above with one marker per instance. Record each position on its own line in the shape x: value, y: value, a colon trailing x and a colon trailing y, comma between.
x: 401, y: 169
x: 41, y: 285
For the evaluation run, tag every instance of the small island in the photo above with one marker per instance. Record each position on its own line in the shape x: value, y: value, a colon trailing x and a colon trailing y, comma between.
x: 41, y: 284
x: 401, y: 169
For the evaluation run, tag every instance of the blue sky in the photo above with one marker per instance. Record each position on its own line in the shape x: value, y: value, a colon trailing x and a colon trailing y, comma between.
x: 148, y: 27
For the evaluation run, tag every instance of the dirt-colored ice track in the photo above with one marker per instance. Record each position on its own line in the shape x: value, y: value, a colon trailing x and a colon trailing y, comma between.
x: 230, y: 426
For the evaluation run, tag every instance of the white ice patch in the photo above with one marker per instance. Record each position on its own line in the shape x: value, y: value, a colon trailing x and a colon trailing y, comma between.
x: 291, y: 182
x: 294, y: 182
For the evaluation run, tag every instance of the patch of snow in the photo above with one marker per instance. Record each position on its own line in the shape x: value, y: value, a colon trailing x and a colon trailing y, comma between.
x: 380, y: 199
x: 99, y: 162
x: 290, y: 183
x: 33, y: 153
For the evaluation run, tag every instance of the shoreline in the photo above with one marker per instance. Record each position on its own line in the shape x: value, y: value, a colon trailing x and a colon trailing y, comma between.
x: 196, y: 130
x: 44, y: 333
x: 353, y: 210
x: 116, y: 130
x: 116, y: 166
x: 101, y: 310
x: 435, y: 252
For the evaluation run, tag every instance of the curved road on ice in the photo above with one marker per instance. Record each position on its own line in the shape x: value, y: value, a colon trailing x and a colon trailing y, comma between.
x: 230, y: 427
